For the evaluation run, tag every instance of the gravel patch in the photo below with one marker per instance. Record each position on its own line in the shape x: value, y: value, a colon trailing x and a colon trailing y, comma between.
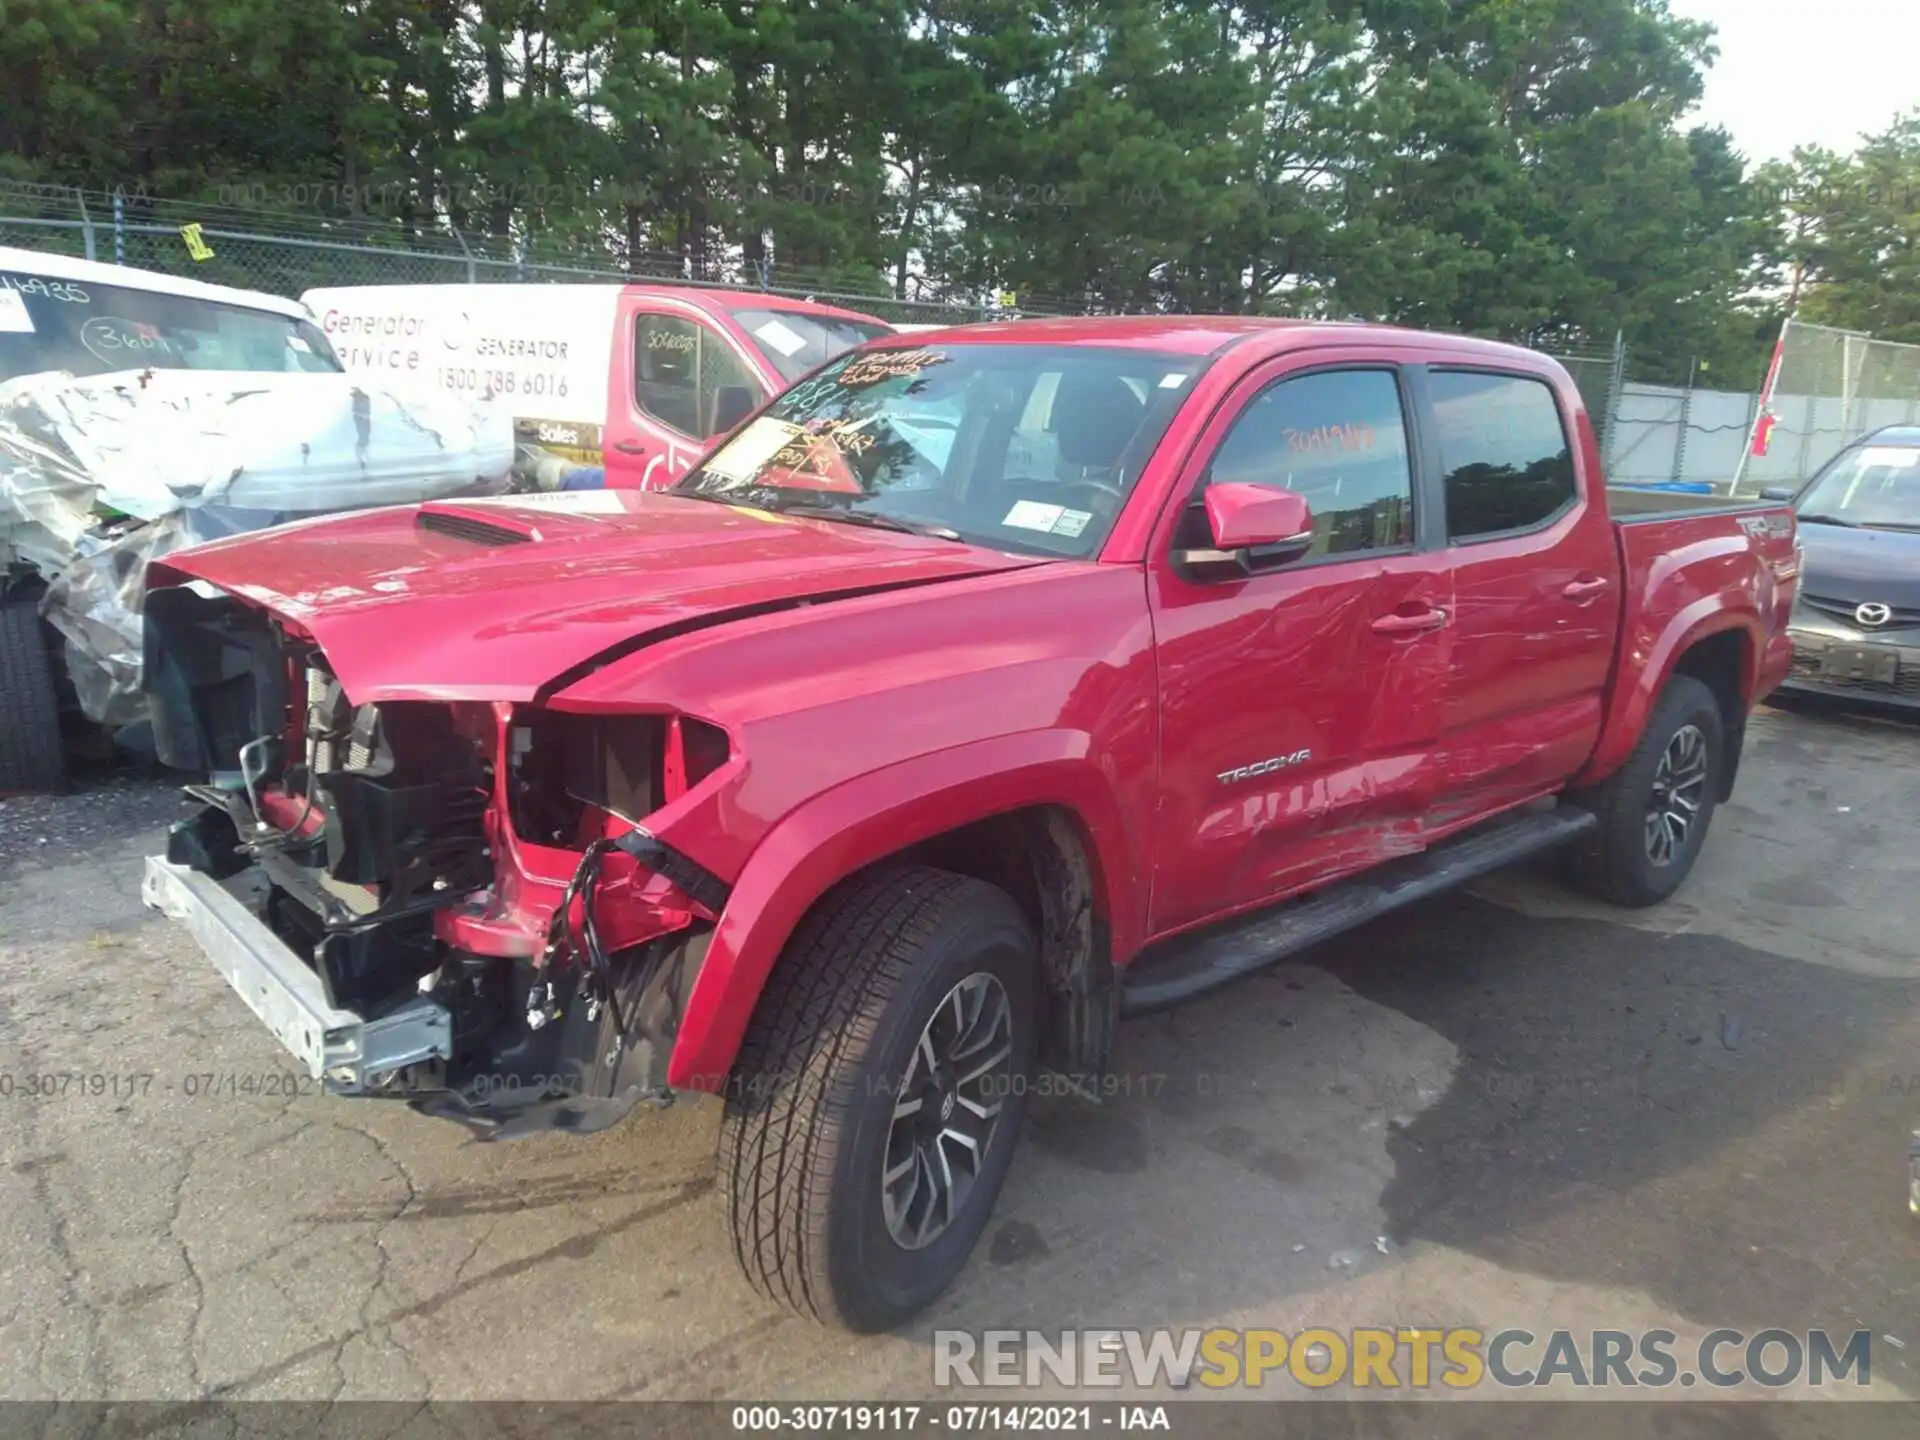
x: 99, y: 814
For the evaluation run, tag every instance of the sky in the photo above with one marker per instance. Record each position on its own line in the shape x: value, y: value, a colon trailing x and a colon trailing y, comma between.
x: 1801, y: 72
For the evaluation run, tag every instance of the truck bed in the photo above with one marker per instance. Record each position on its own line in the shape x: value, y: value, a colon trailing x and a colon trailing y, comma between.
x: 1697, y: 566
x: 1632, y: 504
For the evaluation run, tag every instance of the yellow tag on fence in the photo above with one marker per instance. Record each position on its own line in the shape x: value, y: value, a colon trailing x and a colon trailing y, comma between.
x: 197, y: 245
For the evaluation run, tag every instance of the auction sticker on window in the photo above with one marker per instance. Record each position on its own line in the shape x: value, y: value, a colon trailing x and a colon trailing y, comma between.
x: 746, y: 455
x: 781, y: 337
x: 1048, y: 519
x: 1892, y: 456
x: 14, y: 319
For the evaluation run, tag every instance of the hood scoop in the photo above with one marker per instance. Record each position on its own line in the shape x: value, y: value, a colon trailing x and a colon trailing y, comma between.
x: 474, y: 527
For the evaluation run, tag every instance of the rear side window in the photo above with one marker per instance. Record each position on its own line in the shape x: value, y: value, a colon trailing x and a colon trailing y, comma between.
x: 1503, y: 453
x: 1337, y: 437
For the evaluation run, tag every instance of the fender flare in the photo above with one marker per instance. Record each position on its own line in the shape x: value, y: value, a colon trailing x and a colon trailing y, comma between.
x: 866, y: 819
x: 1705, y: 618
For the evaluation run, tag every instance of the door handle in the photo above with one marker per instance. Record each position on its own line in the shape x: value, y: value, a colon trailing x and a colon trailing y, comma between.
x: 1585, y: 589
x: 1401, y: 623
x: 628, y: 447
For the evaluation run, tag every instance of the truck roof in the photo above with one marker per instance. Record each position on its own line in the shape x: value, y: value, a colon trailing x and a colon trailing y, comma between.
x: 66, y: 267
x: 1186, y: 334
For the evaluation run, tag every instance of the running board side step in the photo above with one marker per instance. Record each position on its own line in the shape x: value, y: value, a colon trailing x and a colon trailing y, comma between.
x: 1190, y: 965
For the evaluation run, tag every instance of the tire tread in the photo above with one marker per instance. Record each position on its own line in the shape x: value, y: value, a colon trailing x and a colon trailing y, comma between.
x: 1605, y: 863
x: 790, y: 1102
x: 32, y: 757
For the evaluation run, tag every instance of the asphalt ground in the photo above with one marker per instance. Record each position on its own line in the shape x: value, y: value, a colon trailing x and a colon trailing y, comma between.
x: 1505, y: 1108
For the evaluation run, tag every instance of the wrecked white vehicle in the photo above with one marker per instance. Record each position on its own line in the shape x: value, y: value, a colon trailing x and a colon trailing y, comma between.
x: 141, y: 414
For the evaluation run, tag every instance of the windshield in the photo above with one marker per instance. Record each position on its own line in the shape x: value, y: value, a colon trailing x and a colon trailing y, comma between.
x: 1031, y: 448
x: 794, y: 342
x: 47, y: 324
x: 1878, y: 487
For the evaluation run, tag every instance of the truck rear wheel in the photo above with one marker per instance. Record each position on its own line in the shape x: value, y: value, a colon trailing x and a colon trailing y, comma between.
x: 1655, y: 809
x: 32, y: 757
x: 879, y: 1095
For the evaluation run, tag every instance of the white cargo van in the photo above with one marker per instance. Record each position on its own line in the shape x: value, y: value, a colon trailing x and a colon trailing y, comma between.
x: 635, y: 379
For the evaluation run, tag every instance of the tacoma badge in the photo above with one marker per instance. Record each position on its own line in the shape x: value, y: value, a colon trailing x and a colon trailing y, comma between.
x: 1265, y: 767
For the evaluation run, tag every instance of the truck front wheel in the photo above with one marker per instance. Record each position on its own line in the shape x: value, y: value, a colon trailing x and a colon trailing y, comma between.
x: 879, y: 1094
x: 1655, y: 809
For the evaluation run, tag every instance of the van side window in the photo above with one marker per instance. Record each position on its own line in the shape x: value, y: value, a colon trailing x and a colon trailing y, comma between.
x: 681, y: 370
x: 1504, y: 454
x: 1337, y: 437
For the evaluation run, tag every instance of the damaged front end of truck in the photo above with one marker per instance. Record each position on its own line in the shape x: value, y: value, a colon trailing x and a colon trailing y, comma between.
x: 458, y: 904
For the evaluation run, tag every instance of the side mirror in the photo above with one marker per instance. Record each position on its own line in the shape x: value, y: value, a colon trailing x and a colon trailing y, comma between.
x: 731, y: 405
x: 1252, y: 527
x: 1779, y: 492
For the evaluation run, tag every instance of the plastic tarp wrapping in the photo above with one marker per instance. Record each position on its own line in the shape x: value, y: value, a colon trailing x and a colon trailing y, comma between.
x: 99, y: 476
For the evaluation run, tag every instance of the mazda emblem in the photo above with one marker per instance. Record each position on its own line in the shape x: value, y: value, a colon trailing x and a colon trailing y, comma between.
x: 1873, y: 614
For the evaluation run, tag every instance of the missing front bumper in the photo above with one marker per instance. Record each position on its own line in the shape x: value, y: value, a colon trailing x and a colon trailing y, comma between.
x: 348, y: 1054
x: 594, y: 1063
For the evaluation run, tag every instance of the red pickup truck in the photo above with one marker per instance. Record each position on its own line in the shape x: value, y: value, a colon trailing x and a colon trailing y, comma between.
x: 988, y: 686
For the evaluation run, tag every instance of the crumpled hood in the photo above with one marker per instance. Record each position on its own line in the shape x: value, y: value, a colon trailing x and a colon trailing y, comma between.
x: 500, y: 599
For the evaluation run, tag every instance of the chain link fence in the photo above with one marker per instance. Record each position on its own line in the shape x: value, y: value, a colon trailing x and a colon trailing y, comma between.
x: 1600, y: 374
x: 289, y: 253
x: 1827, y: 389
x: 1675, y: 435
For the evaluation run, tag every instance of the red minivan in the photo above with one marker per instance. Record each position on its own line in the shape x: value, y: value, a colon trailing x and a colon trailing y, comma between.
x: 617, y: 384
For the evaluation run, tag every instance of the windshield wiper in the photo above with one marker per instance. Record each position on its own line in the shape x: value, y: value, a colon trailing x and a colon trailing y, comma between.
x: 871, y: 520
x: 1827, y: 520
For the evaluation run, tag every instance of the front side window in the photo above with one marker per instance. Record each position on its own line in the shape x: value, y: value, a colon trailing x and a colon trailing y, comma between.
x: 1030, y: 448
x: 1336, y: 437
x: 86, y: 328
x: 688, y: 378
x: 1503, y: 453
